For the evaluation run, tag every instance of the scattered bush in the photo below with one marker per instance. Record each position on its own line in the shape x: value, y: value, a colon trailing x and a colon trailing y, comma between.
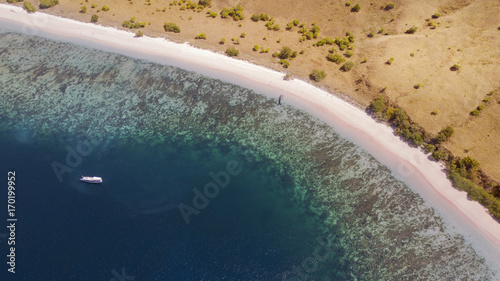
x: 93, y: 6
x: 412, y: 54
x: 429, y: 147
x: 365, y: 60
x: 445, y: 134
x: 411, y: 30
x: 105, y: 8
x: 243, y: 35
x: 436, y: 16
x: 455, y: 67
x: 371, y: 34
x: 139, y: 33
x: 335, y: 58
x: 212, y: 14
x: 347, y: 66
x: 293, y: 55
x: 256, y: 48
x: 201, y: 36
x: 45, y: 4
x: 30, y: 8
x: 255, y: 17
x: 356, y: 8
x: 317, y: 75
x: 171, y: 27
x: 285, y: 53
x: 302, y: 52
x: 222, y: 41
x: 94, y: 18
x: 284, y: 63
x: 205, y: 3
x: 232, y: 51
x: 324, y: 41
x: 417, y: 86
x: 435, y: 112
x: 348, y: 4
x: 389, y: 6
x: 348, y: 54
x: 83, y: 9
x: 432, y: 24
x: 235, y: 12
x: 390, y: 61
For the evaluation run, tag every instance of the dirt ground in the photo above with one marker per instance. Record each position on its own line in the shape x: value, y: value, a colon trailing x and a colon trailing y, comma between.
x: 467, y: 33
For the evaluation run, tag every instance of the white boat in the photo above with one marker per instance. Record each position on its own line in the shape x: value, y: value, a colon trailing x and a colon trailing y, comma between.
x: 91, y: 179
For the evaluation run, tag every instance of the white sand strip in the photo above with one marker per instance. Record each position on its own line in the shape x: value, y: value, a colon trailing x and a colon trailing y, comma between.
x: 408, y: 164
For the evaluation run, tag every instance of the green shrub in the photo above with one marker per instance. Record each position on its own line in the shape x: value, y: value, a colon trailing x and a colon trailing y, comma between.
x: 411, y: 30
x: 417, y: 86
x: 94, y: 18
x: 139, y: 33
x: 348, y: 4
x: 317, y: 75
x: 445, y: 134
x: 243, y: 35
x: 371, y: 34
x: 276, y: 54
x: 45, y: 4
x: 324, y: 41
x: 222, y: 41
x: 338, y: 59
x: 365, y: 60
x: 284, y: 63
x: 205, y: 3
x: 295, y: 22
x: 105, y: 8
x: 389, y: 6
x: 356, y: 8
x: 378, y: 106
x: 212, y: 14
x: 83, y: 9
x: 30, y: 8
x: 276, y: 27
x: 285, y: 53
x: 455, y: 67
x: 429, y: 147
x: 235, y: 12
x: 255, y: 17
x: 171, y: 27
x: 475, y: 112
x: 264, y: 17
x: 348, y: 54
x: 432, y: 24
x: 293, y: 55
x: 348, y: 65
x: 439, y: 155
x: 256, y: 48
x: 289, y: 26
x: 201, y: 36
x: 232, y: 51
x: 435, y: 112
x: 302, y: 52
x: 93, y: 6
x: 436, y: 16
x: 390, y: 61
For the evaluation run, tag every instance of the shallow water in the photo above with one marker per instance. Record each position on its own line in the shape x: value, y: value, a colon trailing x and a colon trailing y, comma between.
x: 307, y: 204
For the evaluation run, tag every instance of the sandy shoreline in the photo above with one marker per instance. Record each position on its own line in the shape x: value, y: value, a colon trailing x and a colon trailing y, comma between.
x: 408, y: 164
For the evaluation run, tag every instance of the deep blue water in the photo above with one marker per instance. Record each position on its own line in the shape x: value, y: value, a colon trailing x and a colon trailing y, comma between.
x: 76, y: 231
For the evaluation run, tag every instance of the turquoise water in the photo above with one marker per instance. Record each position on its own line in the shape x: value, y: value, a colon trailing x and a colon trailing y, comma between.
x: 300, y: 203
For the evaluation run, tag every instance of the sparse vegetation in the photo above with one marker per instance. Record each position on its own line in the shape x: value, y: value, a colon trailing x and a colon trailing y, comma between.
x: 232, y: 51
x: 243, y: 35
x: 417, y: 86
x: 235, y: 12
x: 284, y: 63
x: 212, y: 14
x: 356, y: 8
x: 171, y: 27
x: 411, y: 30
x: 436, y: 16
x: 30, y: 8
x: 256, y: 48
x: 139, y: 33
x: 338, y: 59
x: 222, y: 41
x: 285, y: 53
x: 432, y: 24
x: 45, y: 4
x: 348, y: 65
x: 201, y: 36
x: 348, y: 54
x: 371, y: 34
x: 389, y: 6
x: 94, y: 18
x: 445, y: 134
x: 83, y: 9
x: 455, y: 67
x: 105, y: 8
x: 317, y: 75
x: 390, y: 61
